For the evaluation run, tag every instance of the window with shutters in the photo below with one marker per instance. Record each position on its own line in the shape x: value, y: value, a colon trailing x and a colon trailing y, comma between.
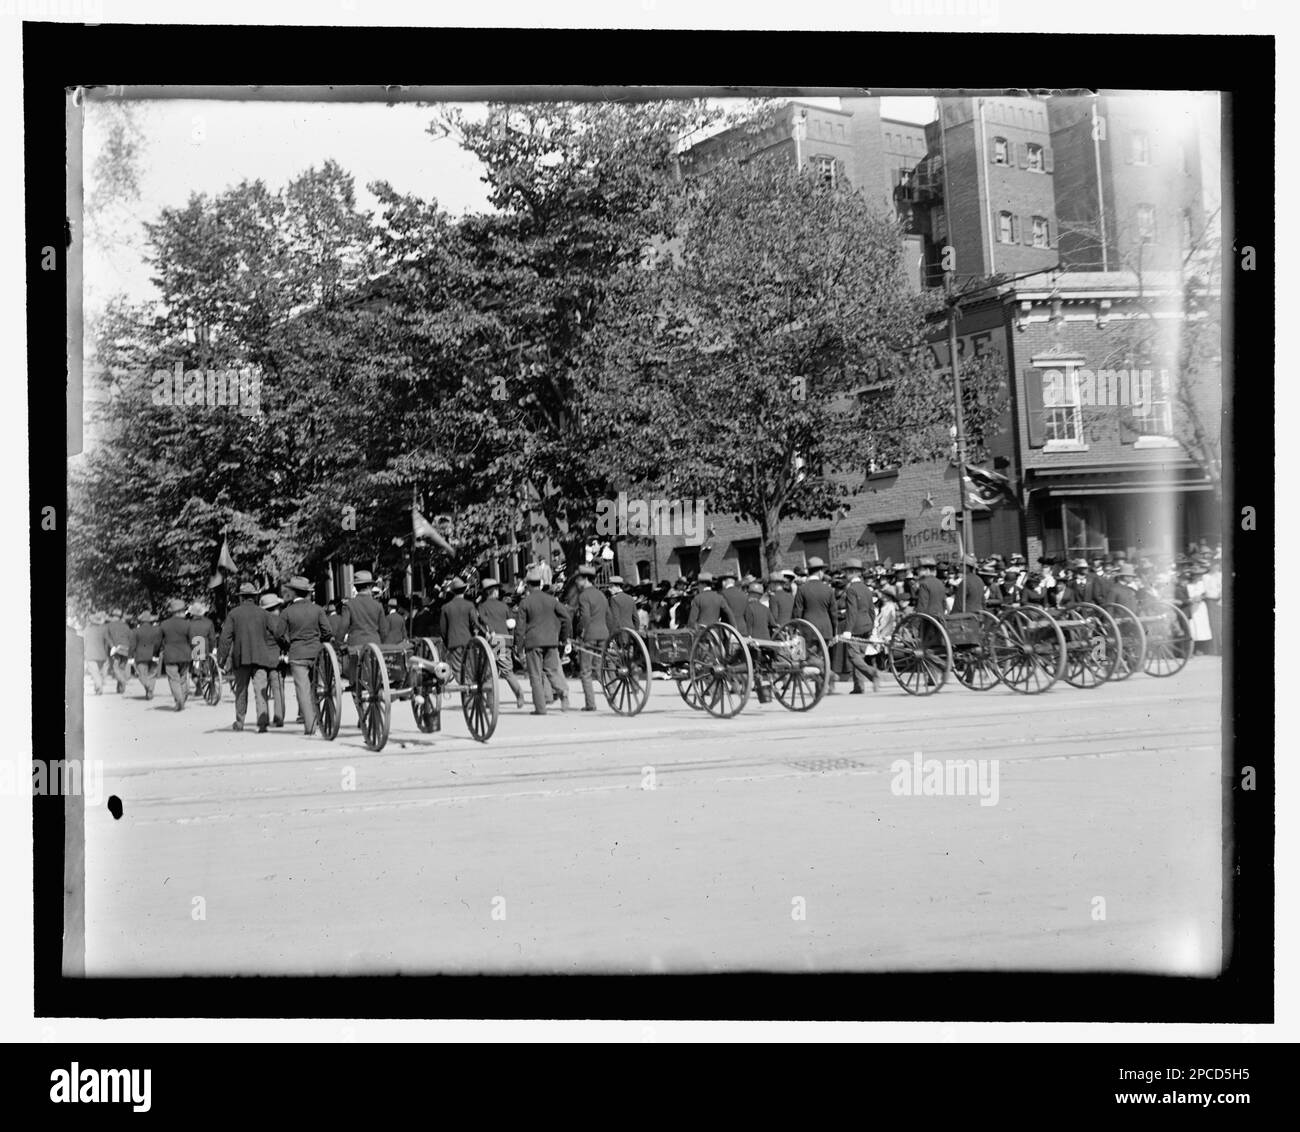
x: 1034, y: 157
x: 1000, y: 152
x: 1139, y: 148
x: 1146, y: 223
x: 1006, y: 228
x: 1041, y: 234
x: 1062, y: 414
x: 825, y: 169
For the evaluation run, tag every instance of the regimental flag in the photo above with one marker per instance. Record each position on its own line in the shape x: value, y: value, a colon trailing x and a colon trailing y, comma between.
x: 986, y: 489
x: 224, y: 561
x: 422, y: 528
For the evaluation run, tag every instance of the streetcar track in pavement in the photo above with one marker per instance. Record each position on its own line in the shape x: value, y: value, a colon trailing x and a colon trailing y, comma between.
x: 685, y: 774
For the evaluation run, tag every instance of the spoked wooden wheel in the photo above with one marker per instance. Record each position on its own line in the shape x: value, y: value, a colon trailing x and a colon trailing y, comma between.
x: 920, y: 654
x: 800, y: 672
x: 625, y: 672
x: 478, y: 695
x: 327, y: 679
x: 426, y: 688
x: 689, y: 692
x: 211, y: 672
x: 1133, y: 641
x: 375, y: 705
x: 1092, y: 644
x: 1169, y: 642
x: 974, y: 663
x: 721, y: 670
x: 1030, y: 651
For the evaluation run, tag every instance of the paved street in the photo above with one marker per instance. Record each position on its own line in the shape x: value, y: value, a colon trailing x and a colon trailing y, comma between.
x: 667, y: 842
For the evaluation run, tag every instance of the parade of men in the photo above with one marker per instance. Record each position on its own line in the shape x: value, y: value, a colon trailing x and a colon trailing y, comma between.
x: 652, y: 532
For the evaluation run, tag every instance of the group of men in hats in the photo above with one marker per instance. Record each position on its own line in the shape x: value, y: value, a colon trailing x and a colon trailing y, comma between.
x: 149, y: 647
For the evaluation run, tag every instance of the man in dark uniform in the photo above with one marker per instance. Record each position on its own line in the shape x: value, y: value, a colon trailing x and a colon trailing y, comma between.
x: 248, y: 643
x: 756, y: 619
x: 176, y: 651
x: 457, y: 624
x: 95, y: 638
x: 779, y: 598
x: 929, y: 590
x: 1123, y: 590
x: 1097, y: 588
x: 708, y: 606
x: 335, y: 617
x: 119, y: 648
x: 146, y: 644
x: 494, y: 615
x: 591, y: 627
x: 622, y: 608
x: 541, y: 623
x: 969, y: 597
x: 394, y: 625
x: 301, y: 630
x: 815, y: 603
x: 363, y: 622
x: 733, y: 595
x: 859, y: 618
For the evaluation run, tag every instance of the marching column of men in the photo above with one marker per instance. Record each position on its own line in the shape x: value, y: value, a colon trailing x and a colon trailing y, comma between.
x: 855, y: 609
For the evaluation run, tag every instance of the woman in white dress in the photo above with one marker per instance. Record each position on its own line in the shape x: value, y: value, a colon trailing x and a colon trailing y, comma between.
x: 1197, y: 614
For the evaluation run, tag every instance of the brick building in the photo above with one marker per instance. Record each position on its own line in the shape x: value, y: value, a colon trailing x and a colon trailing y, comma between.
x: 1018, y: 187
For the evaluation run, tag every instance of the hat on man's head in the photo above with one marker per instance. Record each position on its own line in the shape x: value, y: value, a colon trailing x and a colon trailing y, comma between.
x: 1125, y: 570
x: 1079, y: 563
x: 197, y: 609
x: 300, y: 584
x: 175, y: 606
x: 987, y: 570
x: 927, y: 561
x: 787, y: 573
x: 247, y: 589
x: 147, y: 618
x: 586, y: 571
x: 614, y: 580
x: 853, y: 564
x: 704, y: 578
x: 489, y: 583
x: 363, y: 578
x: 456, y: 585
x: 755, y: 587
x: 801, y: 571
x: 392, y: 603
x: 533, y: 576
x: 270, y: 601
x: 117, y: 614
x: 815, y: 563
x: 971, y: 561
x: 1017, y: 559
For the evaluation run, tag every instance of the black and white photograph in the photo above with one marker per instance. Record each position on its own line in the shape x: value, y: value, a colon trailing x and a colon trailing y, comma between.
x: 651, y: 535
x: 532, y: 529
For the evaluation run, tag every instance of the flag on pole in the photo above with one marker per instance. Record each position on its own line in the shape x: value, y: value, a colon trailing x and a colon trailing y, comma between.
x: 422, y: 528
x: 224, y: 561
x: 987, y: 489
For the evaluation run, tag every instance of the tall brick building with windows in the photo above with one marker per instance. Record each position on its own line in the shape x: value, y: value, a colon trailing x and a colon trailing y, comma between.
x: 1092, y: 202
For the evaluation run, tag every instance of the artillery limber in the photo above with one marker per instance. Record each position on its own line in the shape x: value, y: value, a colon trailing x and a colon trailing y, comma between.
x: 416, y: 671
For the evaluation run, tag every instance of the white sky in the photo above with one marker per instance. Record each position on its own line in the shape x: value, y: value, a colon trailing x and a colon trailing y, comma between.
x: 208, y: 146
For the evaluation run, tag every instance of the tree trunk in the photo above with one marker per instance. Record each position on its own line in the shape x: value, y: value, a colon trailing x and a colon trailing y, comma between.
x: 769, y: 526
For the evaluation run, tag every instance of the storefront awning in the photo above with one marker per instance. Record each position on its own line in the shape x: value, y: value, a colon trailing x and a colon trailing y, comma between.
x: 1135, y: 487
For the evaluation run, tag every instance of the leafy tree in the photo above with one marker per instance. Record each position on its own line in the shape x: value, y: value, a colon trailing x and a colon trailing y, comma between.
x: 768, y: 357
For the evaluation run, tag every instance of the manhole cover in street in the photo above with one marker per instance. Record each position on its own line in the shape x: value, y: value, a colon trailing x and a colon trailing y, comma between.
x: 820, y: 766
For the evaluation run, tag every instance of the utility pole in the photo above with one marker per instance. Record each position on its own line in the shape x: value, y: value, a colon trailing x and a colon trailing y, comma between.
x: 959, y: 417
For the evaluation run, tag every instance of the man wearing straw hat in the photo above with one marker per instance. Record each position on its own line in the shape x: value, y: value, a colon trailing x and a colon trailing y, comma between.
x: 272, y: 603
x: 542, y: 622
